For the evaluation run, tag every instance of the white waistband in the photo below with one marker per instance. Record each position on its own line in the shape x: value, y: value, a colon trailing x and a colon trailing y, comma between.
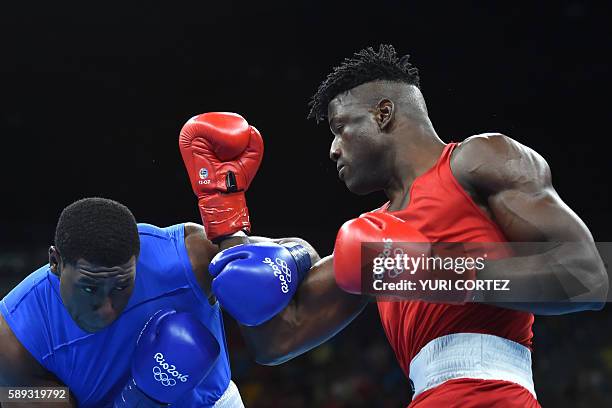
x: 471, y: 355
x: 230, y: 398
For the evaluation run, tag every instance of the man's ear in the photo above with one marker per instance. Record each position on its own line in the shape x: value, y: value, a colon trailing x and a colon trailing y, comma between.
x: 384, y: 113
x: 54, y: 260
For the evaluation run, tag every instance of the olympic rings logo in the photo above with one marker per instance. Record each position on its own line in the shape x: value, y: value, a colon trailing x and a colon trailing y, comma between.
x: 284, y: 268
x: 165, y: 377
x: 281, y: 270
x: 162, y: 377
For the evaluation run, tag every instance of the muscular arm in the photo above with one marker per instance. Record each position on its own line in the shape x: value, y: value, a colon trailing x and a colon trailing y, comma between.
x: 317, y: 312
x: 514, y: 183
x: 19, y: 369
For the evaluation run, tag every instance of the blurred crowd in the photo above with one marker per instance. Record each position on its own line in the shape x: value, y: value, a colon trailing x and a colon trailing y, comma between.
x: 357, y: 368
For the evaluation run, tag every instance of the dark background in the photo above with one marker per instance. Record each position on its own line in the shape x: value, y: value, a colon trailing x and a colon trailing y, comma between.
x: 93, y: 97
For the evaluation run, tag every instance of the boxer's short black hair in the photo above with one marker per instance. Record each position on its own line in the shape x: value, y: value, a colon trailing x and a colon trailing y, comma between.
x: 366, y: 65
x: 99, y: 230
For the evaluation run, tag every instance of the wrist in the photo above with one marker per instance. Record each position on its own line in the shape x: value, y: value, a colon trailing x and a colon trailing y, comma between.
x: 301, y: 257
x: 224, y: 214
x: 231, y: 240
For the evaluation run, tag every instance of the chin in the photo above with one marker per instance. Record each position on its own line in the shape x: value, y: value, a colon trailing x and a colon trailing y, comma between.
x: 359, y: 189
x: 90, y: 329
x: 86, y: 328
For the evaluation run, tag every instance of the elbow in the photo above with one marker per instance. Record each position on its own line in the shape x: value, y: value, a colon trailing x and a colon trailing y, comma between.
x: 270, y: 360
x: 599, y: 286
x: 271, y: 348
x: 273, y: 356
x: 277, y: 340
x: 600, y: 293
x: 597, y: 279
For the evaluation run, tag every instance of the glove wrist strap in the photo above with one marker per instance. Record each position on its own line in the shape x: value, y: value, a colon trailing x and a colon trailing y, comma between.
x: 301, y: 257
x: 224, y: 214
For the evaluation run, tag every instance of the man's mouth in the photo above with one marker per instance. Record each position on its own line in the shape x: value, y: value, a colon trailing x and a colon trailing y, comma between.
x: 90, y: 327
x: 341, y: 169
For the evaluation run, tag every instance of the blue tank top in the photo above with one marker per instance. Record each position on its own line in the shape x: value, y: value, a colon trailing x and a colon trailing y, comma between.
x: 96, y: 366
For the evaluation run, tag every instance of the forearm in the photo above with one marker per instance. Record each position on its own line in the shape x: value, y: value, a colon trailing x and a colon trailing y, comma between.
x: 570, y: 277
x: 318, y: 311
x: 271, y: 342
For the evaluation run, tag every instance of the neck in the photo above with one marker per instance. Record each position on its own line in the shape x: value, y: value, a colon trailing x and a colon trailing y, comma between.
x: 416, y: 153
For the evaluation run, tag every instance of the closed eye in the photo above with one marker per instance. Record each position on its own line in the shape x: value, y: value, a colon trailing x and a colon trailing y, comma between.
x: 336, y: 126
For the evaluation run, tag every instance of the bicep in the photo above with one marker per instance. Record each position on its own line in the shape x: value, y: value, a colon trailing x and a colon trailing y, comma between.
x: 18, y: 368
x: 536, y: 216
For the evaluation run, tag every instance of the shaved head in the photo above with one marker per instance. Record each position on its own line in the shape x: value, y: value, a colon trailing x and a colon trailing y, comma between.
x: 407, y: 98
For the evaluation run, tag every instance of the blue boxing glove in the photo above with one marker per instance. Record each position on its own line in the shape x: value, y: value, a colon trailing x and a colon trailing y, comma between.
x: 255, y: 282
x: 174, y: 352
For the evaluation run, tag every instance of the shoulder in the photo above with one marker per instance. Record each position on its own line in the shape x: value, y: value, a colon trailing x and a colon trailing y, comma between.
x: 182, y: 230
x: 494, y: 161
x: 177, y: 234
x: 199, y: 247
x: 26, y: 288
x: 486, y: 146
x: 155, y: 231
x: 200, y: 251
x: 191, y: 228
x: 189, y: 235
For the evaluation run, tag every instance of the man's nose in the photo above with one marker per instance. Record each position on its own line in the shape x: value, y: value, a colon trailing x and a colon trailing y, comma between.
x: 334, y: 151
x: 105, y: 310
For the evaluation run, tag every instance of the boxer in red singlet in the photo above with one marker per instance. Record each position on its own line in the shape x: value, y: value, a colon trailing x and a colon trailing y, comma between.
x: 487, y: 188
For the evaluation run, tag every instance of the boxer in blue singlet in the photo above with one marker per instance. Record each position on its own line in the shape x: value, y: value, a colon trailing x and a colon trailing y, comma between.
x: 75, y: 321
x: 82, y: 333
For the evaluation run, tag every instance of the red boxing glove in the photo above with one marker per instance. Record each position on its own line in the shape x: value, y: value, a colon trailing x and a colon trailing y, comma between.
x: 383, y: 230
x: 222, y: 153
x: 396, y: 254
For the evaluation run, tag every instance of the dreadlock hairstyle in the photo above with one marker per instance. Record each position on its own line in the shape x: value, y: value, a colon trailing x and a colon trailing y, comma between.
x: 366, y: 65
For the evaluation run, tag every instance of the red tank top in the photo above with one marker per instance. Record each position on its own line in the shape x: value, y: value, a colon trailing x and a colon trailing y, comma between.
x: 441, y: 209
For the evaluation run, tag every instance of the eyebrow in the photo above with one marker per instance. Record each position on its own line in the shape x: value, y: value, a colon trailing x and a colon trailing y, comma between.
x: 87, y: 279
x: 96, y: 276
x: 93, y: 281
x: 333, y: 120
